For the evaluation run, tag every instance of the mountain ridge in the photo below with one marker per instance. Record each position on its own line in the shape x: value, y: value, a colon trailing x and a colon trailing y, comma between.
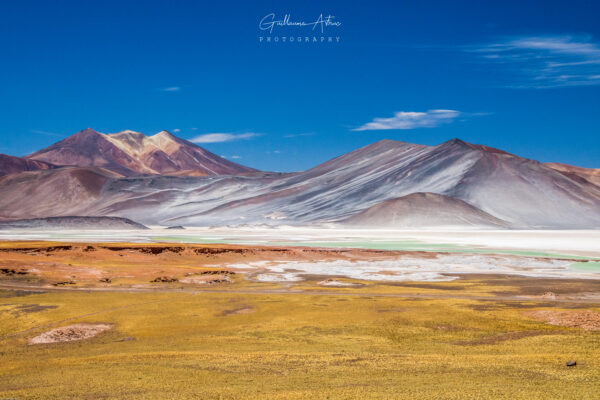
x: 520, y: 192
x: 13, y: 164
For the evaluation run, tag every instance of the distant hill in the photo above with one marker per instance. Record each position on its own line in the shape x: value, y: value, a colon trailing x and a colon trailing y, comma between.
x: 13, y: 165
x: 424, y: 210
x: 72, y: 223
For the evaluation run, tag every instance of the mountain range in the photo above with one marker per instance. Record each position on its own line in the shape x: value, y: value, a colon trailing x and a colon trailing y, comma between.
x: 165, y: 180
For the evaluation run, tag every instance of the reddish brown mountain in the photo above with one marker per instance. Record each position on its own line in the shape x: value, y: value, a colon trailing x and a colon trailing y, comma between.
x: 13, y: 165
x: 55, y: 192
x: 131, y: 153
x: 589, y: 174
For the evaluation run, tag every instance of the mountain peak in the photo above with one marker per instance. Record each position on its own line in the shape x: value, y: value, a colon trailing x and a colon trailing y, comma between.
x: 128, y: 132
x: 458, y: 143
x: 385, y: 144
x: 87, y: 132
x: 132, y: 153
x: 164, y: 133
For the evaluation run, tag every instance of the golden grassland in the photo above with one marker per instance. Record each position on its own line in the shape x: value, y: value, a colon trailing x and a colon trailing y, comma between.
x: 238, y: 341
x: 180, y: 345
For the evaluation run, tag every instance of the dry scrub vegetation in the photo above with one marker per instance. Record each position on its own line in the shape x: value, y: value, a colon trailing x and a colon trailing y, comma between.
x: 485, y: 337
x: 289, y: 346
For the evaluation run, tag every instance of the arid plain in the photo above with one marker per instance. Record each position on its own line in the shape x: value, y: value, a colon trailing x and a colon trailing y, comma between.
x: 154, y: 317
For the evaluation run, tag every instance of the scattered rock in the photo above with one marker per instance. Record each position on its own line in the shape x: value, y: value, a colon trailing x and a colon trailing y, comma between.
x: 220, y: 250
x: 106, y: 280
x: 571, y: 363
x: 70, y: 333
x: 11, y: 271
x: 215, y: 272
x: 549, y: 295
x: 163, y: 279
x: 63, y: 283
x: 216, y: 281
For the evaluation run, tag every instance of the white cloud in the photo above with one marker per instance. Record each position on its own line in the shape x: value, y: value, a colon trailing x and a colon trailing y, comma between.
x: 171, y: 89
x: 223, y: 137
x: 236, y: 157
x: 547, y: 61
x: 293, y: 135
x: 411, y: 120
x: 176, y: 130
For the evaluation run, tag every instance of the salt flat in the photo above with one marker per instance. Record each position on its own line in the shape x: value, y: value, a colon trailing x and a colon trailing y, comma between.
x: 564, y: 242
x: 547, y: 254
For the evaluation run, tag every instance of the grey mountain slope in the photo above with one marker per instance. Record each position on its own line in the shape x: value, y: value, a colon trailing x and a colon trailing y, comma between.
x: 72, y: 222
x: 522, y: 192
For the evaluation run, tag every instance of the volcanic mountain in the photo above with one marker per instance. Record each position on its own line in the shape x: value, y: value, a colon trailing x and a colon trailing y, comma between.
x: 486, y: 186
x: 13, y: 165
x: 522, y: 192
x: 131, y: 153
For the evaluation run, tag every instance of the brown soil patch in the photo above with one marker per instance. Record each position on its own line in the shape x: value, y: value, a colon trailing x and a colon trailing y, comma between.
x: 235, y: 311
x: 33, y: 308
x: 530, y: 286
x: 436, y: 286
x: 337, y: 283
x: 588, y: 320
x: 128, y: 264
x: 70, y: 333
x: 503, y: 337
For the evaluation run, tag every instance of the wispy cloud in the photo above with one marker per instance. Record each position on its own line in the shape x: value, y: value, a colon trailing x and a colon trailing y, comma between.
x: 223, y: 137
x: 176, y: 130
x: 546, y: 61
x: 236, y: 157
x: 411, y: 120
x: 293, y: 135
x: 45, y: 133
x: 171, y: 89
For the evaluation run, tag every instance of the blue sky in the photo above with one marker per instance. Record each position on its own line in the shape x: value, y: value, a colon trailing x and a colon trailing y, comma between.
x: 523, y: 76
